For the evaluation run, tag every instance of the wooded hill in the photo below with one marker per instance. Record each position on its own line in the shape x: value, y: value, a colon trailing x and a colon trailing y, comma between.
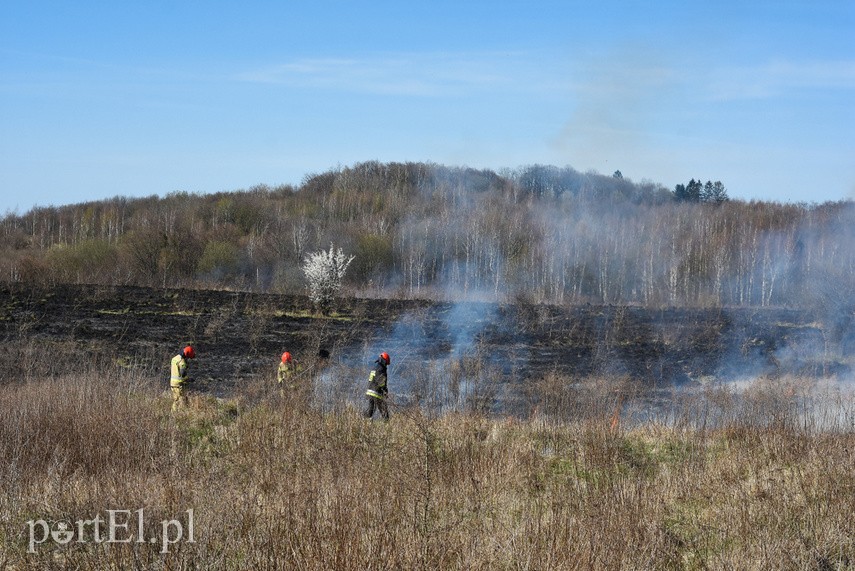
x: 420, y: 230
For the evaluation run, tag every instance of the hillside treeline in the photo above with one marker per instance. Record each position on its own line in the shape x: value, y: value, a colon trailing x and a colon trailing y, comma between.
x: 538, y: 233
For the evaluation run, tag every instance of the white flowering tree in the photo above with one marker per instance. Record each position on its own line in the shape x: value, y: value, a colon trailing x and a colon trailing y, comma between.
x: 324, y: 272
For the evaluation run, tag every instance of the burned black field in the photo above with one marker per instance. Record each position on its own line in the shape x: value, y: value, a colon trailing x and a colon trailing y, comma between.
x: 239, y: 336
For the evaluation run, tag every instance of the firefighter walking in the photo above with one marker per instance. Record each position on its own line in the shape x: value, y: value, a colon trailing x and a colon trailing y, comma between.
x: 179, y: 378
x: 378, y: 388
x: 286, y: 374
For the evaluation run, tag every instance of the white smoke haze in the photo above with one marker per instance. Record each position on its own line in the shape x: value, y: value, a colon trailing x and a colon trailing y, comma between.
x: 616, y: 100
x: 555, y: 237
x: 468, y: 356
x: 437, y: 360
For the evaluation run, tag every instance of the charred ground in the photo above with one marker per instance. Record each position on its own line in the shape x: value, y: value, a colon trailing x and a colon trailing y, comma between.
x: 239, y: 335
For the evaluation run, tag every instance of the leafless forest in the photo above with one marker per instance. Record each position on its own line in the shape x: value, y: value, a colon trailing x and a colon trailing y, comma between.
x: 542, y: 234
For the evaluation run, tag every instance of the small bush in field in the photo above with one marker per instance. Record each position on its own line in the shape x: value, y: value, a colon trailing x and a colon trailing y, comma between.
x: 325, y: 272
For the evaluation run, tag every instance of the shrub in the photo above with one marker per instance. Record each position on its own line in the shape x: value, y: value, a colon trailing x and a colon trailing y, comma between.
x: 218, y: 259
x: 324, y: 272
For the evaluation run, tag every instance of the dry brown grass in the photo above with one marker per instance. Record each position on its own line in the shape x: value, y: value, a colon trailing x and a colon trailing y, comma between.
x: 279, y: 487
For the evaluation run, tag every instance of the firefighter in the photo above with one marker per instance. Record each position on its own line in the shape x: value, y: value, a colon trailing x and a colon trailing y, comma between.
x: 179, y: 378
x: 378, y: 388
x: 286, y: 374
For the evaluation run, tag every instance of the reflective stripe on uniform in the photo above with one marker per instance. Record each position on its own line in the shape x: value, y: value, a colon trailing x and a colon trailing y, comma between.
x: 178, y: 371
x: 375, y: 394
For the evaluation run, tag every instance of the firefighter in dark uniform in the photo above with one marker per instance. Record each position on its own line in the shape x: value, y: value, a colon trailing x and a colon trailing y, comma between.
x: 378, y: 388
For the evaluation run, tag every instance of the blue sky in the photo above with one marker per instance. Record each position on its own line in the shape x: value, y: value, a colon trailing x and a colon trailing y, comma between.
x: 99, y: 99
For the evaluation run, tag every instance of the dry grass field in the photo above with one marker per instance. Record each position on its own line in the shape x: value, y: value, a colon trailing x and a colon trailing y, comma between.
x: 255, y: 481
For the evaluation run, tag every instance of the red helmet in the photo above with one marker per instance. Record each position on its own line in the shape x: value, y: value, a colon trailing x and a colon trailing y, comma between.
x: 189, y: 352
x: 385, y: 357
x: 286, y: 357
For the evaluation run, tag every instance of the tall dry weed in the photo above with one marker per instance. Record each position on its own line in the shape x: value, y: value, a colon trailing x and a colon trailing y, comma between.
x: 278, y: 483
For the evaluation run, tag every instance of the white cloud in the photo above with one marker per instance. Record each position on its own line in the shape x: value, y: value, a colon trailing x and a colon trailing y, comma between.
x: 488, y: 74
x: 776, y: 78
x: 408, y: 74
